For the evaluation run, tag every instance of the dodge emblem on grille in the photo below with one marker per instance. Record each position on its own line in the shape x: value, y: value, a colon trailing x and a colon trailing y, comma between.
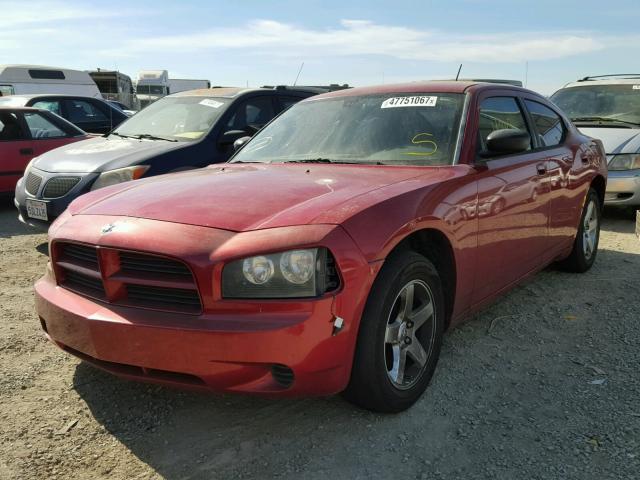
x: 108, y: 228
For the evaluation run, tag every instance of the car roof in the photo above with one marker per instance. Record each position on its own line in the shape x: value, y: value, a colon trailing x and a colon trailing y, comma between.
x: 48, y: 95
x: 232, y: 92
x: 22, y: 109
x: 431, y: 86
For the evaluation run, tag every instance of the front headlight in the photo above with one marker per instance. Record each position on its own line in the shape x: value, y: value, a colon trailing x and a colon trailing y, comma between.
x: 628, y: 161
x: 113, y: 177
x: 292, y: 274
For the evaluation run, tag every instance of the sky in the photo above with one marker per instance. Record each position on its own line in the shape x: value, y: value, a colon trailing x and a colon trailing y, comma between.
x: 543, y: 43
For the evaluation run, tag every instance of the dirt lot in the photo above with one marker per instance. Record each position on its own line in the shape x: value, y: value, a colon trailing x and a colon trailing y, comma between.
x: 544, y: 384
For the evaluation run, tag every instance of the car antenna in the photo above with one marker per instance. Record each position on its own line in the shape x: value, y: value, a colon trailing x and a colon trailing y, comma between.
x: 458, y: 74
x: 298, y: 76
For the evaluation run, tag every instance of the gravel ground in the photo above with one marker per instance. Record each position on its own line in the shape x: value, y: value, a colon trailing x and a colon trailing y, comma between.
x: 542, y: 385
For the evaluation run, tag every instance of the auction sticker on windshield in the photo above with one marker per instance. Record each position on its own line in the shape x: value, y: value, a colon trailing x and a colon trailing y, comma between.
x: 36, y: 209
x: 421, y: 101
x: 208, y: 102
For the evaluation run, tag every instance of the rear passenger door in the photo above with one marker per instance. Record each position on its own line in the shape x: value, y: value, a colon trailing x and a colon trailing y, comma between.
x: 15, y: 150
x: 512, y: 200
x: 551, y: 134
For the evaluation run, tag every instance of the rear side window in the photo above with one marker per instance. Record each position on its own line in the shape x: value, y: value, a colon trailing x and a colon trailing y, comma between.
x: 47, y: 74
x: 498, y: 113
x: 547, y: 123
x: 80, y: 111
x: 51, y: 105
x: 10, y: 128
x: 41, y: 128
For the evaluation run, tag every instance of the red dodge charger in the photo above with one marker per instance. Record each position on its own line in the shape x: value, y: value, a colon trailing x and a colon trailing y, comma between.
x: 335, y: 248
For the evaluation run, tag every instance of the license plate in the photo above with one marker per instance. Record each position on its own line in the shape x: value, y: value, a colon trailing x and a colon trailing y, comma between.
x: 37, y: 209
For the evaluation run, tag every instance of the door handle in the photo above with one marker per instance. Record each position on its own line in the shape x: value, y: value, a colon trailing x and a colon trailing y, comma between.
x: 541, y: 168
x: 26, y: 151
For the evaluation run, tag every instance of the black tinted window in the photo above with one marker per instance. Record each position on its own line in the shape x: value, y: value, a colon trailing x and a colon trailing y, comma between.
x: 254, y: 112
x: 548, y: 124
x: 47, y: 74
x: 10, y: 128
x: 499, y: 113
x: 80, y: 111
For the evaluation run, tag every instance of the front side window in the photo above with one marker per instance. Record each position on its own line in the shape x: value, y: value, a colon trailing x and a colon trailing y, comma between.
x: 603, y: 103
x: 178, y: 118
x: 393, y: 129
x: 10, y: 129
x: 547, y: 124
x: 499, y: 113
x: 41, y: 127
x: 255, y: 112
x: 80, y: 111
x: 51, y: 105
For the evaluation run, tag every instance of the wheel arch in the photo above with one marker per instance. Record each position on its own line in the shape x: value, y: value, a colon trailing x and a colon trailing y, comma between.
x: 599, y: 184
x: 434, y: 245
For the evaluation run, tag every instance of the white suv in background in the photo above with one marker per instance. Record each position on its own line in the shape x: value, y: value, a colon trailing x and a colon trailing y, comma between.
x: 607, y: 107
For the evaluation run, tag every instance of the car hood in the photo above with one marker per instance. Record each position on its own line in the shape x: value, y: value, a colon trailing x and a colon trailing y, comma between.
x: 249, y: 197
x: 98, y: 154
x: 616, y: 140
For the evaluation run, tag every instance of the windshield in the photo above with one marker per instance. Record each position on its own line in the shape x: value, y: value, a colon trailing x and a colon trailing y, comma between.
x: 612, y: 102
x: 151, y: 89
x: 398, y: 129
x: 176, y: 118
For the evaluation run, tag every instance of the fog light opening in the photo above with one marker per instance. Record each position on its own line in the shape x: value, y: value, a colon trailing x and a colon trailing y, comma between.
x: 283, y: 375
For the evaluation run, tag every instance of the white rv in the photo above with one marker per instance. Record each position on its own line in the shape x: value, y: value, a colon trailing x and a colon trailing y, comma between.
x: 32, y: 79
x: 152, y: 85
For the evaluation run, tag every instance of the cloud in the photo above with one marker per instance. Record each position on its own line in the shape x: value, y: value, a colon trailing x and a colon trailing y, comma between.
x: 363, y: 37
x: 17, y: 14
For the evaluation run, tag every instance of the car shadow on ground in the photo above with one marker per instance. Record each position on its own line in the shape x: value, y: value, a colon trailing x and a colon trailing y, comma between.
x: 181, y: 434
x: 10, y: 226
x: 618, y: 220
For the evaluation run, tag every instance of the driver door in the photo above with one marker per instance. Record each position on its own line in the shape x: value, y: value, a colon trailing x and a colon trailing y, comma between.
x: 248, y: 117
x: 513, y: 203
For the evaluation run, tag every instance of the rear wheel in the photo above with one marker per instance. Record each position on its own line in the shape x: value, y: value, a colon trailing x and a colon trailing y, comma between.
x: 585, y: 246
x: 400, y: 335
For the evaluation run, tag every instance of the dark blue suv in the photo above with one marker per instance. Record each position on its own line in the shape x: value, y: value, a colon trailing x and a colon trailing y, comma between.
x: 179, y: 132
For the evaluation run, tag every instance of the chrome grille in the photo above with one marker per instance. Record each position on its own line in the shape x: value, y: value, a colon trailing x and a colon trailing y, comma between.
x: 32, y: 183
x: 129, y: 278
x: 59, y: 186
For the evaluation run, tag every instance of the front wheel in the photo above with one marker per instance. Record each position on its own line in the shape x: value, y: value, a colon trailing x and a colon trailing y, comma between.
x: 585, y: 246
x: 400, y: 335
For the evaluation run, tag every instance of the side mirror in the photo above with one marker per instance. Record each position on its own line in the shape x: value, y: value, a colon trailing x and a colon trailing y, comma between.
x: 239, y: 143
x: 507, y: 141
x: 230, y: 136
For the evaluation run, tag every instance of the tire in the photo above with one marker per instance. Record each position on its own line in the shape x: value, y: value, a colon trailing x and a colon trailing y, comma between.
x: 584, y: 250
x: 387, y: 333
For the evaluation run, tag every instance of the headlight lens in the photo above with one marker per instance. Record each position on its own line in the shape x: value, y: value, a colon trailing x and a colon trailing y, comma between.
x: 292, y: 274
x: 625, y: 162
x: 113, y: 177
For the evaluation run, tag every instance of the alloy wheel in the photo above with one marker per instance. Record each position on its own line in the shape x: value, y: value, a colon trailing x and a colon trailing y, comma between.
x: 409, y: 334
x: 590, y: 230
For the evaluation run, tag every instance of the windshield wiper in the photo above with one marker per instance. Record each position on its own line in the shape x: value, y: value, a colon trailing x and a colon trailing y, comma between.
x: 121, y: 135
x: 329, y: 160
x: 603, y: 119
x: 148, y: 136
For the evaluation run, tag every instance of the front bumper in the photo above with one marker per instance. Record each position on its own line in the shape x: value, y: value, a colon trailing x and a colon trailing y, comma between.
x: 236, y: 346
x: 623, y: 188
x: 55, y: 206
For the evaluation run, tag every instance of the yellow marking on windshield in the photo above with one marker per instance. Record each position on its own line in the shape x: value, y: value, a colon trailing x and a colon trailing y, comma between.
x: 421, y: 139
x: 189, y: 134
